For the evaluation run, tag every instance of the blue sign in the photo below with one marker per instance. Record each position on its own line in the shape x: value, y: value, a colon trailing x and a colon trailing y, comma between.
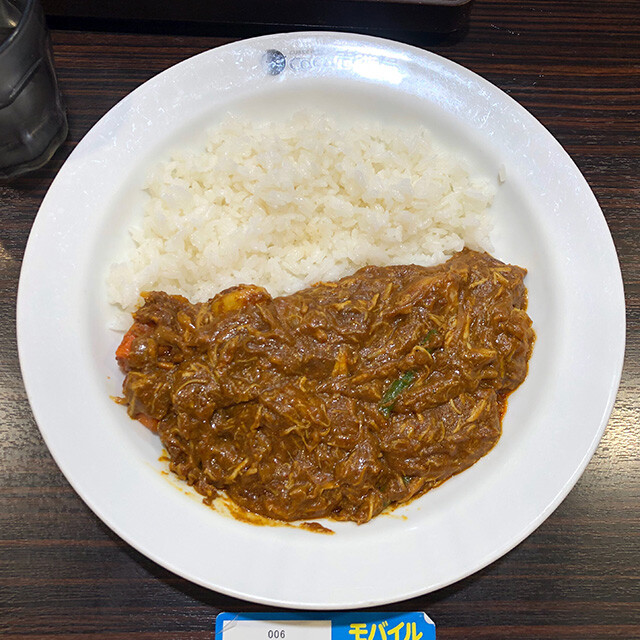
x: 351, y: 625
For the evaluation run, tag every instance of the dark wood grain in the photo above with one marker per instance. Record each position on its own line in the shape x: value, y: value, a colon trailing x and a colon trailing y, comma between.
x: 576, y: 66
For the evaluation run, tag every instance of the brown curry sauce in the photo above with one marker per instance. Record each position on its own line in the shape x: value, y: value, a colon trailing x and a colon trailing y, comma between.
x: 339, y: 400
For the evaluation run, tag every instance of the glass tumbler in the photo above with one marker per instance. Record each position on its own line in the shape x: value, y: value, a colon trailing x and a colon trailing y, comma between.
x: 33, y: 121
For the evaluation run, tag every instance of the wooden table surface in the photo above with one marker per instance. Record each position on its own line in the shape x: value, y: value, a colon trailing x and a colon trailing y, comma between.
x: 576, y: 66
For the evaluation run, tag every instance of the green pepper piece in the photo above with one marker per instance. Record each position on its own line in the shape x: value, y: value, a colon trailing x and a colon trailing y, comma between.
x: 395, y: 389
x: 430, y: 334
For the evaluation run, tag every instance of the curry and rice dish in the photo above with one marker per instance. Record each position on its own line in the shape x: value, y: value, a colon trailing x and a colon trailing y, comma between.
x: 338, y: 400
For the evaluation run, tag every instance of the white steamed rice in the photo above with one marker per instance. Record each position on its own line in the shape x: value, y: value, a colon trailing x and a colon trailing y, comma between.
x: 286, y: 204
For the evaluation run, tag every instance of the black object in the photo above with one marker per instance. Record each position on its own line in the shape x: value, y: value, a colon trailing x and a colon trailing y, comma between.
x: 428, y: 17
x: 33, y: 121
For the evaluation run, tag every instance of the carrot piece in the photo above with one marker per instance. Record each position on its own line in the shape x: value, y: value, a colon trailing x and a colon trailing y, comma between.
x: 148, y: 421
x: 122, y: 352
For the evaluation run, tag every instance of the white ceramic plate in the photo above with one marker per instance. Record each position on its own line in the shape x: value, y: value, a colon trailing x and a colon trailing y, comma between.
x: 547, y: 220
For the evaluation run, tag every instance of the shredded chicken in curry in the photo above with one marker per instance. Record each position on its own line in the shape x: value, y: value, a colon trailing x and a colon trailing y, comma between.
x: 336, y: 401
